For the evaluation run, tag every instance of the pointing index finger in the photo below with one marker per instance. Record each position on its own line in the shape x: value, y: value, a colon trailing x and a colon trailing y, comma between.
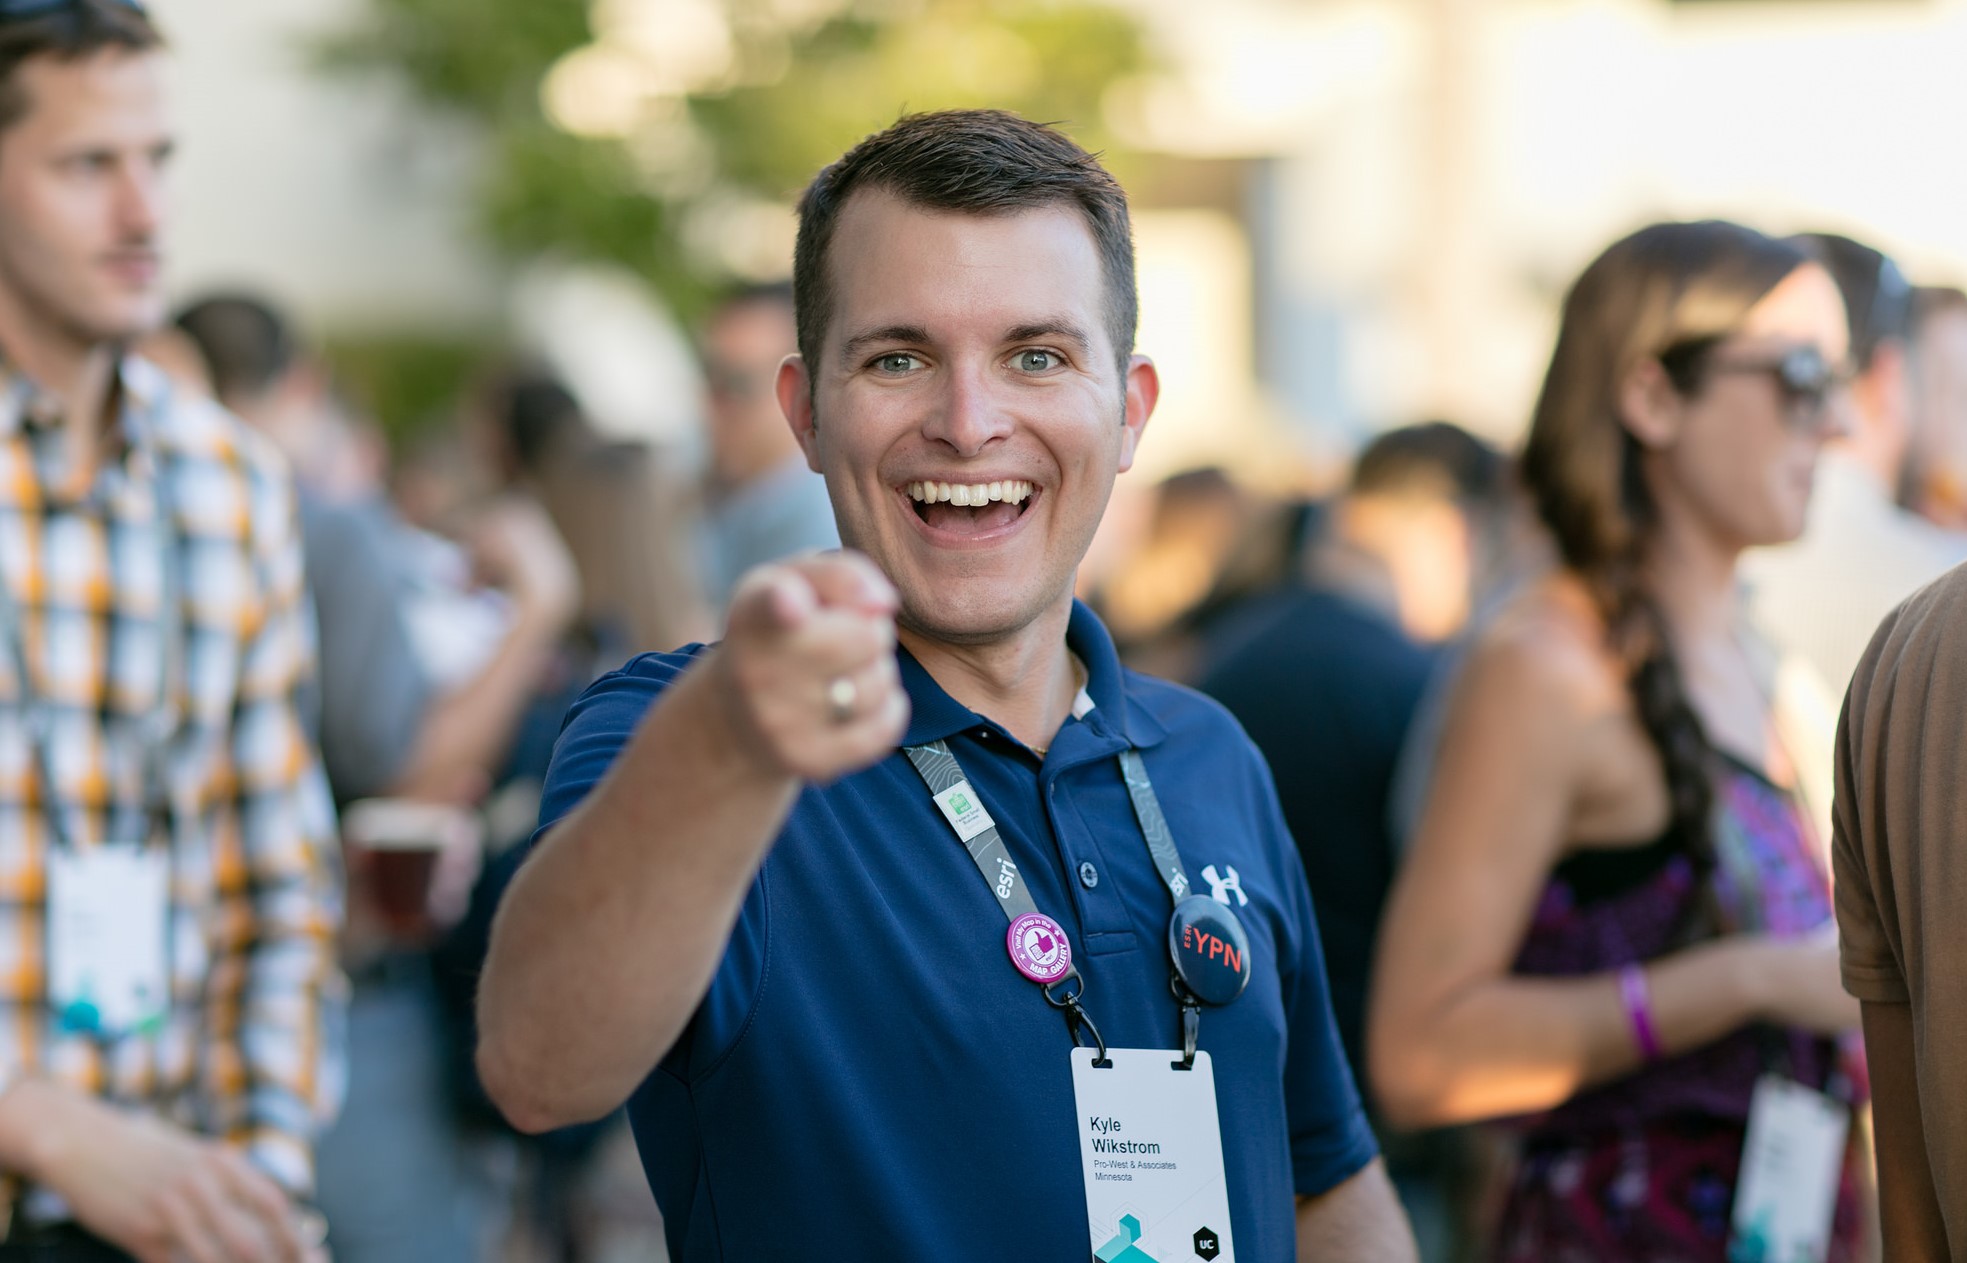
x: 772, y: 599
x: 849, y: 580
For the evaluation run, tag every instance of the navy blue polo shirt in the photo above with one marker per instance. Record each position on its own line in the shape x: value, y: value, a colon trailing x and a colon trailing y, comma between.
x: 870, y: 1077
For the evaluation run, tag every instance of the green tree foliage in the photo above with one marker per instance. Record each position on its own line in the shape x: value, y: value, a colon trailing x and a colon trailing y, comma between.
x: 796, y: 83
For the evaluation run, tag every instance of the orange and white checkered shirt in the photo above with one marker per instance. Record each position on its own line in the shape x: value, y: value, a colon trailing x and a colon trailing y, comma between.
x: 251, y: 1050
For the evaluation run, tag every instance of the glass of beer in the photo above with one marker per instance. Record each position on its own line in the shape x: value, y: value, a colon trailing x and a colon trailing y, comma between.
x: 394, y: 845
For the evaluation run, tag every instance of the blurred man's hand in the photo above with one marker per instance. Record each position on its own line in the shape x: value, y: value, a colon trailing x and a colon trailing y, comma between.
x: 159, y: 1192
x: 516, y: 547
x: 807, y: 667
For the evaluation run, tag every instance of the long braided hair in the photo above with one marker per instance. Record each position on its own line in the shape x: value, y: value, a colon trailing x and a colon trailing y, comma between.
x: 1669, y: 292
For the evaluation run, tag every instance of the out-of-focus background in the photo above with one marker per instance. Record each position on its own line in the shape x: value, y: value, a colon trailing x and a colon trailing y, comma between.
x: 1350, y: 212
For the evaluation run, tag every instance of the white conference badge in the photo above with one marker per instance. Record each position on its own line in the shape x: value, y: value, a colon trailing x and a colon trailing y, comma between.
x: 1786, y: 1198
x: 1151, y: 1146
x: 107, y: 908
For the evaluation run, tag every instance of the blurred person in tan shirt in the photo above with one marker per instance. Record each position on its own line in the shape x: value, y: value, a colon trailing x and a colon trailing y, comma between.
x: 1898, y: 843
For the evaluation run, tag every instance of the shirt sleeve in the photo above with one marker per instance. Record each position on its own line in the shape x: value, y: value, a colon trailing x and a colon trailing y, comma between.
x: 374, y: 691
x: 274, y: 1064
x: 1331, y: 1141
x: 598, y: 727
x: 1870, y: 967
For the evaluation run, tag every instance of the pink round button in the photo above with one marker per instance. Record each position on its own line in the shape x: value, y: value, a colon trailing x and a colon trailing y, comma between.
x: 1038, y: 948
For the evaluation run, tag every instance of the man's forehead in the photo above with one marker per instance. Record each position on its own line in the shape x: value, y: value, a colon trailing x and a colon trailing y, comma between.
x: 896, y: 263
x: 113, y: 86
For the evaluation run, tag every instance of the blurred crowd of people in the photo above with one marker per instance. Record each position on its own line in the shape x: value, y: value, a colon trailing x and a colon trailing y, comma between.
x: 1399, y: 636
x: 465, y: 591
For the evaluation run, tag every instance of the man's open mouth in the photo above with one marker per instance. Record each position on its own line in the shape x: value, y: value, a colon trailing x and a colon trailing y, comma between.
x: 970, y: 508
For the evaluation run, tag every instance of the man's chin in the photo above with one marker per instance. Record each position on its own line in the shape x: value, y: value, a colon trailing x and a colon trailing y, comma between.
x: 117, y: 328
x: 975, y: 617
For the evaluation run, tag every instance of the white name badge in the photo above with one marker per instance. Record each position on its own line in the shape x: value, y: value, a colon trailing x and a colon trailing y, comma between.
x: 1152, y: 1150
x: 107, y: 908
x: 1792, y: 1159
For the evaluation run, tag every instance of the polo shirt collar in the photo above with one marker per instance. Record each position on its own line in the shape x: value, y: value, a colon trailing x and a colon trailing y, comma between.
x: 935, y: 715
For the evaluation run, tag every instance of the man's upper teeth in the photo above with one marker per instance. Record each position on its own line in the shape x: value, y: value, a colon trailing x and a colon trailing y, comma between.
x: 969, y: 492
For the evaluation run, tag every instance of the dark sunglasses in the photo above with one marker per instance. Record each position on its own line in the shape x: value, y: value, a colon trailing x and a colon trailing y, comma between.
x: 1805, y: 377
x: 19, y: 10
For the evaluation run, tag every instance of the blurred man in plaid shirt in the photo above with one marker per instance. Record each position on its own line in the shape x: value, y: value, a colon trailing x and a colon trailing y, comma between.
x: 169, y: 1007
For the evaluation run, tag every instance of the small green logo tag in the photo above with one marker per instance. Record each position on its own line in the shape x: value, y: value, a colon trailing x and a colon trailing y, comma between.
x: 965, y: 814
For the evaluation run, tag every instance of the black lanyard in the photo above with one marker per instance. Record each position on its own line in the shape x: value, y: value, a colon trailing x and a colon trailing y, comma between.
x: 1065, y: 988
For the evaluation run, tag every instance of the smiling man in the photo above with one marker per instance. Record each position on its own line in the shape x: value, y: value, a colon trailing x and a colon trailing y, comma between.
x: 880, y: 912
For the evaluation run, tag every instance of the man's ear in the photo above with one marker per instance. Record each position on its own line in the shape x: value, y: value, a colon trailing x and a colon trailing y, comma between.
x: 1650, y: 405
x: 795, y: 389
x: 1143, y: 389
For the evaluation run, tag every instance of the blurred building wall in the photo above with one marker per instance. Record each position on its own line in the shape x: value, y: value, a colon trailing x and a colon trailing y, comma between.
x: 329, y: 192
x: 1434, y: 172
x: 1423, y: 179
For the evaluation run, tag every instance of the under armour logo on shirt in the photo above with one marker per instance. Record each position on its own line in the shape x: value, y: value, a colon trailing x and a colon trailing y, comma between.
x: 1222, y: 887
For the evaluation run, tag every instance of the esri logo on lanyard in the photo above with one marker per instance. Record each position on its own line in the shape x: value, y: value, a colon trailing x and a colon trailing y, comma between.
x: 108, y: 905
x: 1150, y: 1139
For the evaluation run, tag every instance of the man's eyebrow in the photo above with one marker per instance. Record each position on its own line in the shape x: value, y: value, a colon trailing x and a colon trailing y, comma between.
x: 888, y: 334
x: 1064, y: 330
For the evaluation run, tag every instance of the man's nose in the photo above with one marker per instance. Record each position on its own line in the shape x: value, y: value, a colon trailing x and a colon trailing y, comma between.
x: 969, y: 414
x: 140, y: 202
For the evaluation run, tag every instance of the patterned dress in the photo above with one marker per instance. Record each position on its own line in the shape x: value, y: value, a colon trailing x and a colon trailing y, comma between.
x: 1643, y: 1170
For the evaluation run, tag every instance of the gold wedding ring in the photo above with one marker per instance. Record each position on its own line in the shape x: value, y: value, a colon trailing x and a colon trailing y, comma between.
x: 841, y: 694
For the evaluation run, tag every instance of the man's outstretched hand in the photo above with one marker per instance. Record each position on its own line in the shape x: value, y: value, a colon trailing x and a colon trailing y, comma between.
x: 807, y: 668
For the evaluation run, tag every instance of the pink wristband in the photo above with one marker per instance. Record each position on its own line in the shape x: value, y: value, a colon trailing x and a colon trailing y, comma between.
x: 1639, y: 1011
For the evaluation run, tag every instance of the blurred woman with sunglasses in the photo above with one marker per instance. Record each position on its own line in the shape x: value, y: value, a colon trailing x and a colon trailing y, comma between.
x: 1615, y: 917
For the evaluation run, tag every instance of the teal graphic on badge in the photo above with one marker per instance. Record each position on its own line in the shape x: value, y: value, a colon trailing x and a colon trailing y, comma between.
x: 1751, y: 1246
x: 1124, y: 1247
x: 82, y: 1014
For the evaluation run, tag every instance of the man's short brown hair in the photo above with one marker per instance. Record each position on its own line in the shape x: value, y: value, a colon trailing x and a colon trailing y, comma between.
x: 977, y: 162
x: 68, y: 31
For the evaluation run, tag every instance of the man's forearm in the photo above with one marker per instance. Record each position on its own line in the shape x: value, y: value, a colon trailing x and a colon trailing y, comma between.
x: 612, y: 931
x: 1909, y: 1206
x: 1360, y: 1221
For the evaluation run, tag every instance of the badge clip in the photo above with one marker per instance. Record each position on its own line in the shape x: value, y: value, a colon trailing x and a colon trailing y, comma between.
x: 1191, y: 1025
x: 1076, y: 1017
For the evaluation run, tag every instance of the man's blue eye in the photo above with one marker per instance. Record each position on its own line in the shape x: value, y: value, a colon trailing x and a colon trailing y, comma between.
x: 1036, y: 361
x: 895, y: 363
